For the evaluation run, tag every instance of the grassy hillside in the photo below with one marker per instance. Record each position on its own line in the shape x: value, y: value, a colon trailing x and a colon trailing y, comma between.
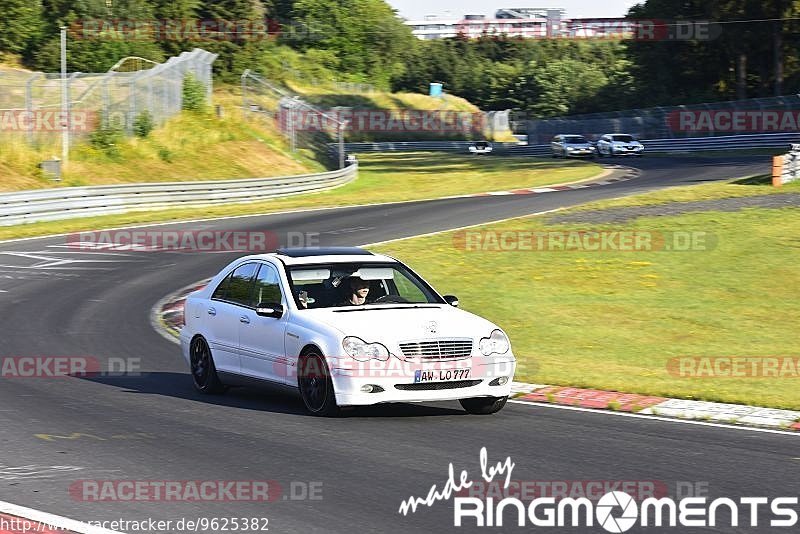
x: 192, y: 146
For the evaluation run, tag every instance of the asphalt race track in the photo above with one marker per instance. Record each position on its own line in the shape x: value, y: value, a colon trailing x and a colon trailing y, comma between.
x: 55, y: 432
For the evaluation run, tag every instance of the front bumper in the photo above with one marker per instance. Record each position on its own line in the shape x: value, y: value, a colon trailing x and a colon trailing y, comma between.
x: 625, y: 151
x: 348, y: 379
x: 580, y: 153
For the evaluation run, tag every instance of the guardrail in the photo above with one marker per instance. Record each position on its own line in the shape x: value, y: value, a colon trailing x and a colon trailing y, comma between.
x: 728, y: 142
x: 786, y: 167
x: 69, y: 202
x: 446, y: 146
x: 724, y: 142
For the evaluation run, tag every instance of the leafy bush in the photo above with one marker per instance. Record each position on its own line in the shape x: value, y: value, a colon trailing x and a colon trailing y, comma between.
x: 107, y: 137
x: 194, y: 93
x: 143, y: 124
x: 165, y: 155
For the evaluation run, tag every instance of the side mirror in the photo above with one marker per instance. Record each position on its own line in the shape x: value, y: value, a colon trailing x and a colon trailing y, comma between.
x: 269, y: 309
x: 452, y: 300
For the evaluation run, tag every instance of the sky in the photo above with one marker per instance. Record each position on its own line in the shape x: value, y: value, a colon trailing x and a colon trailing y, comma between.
x: 417, y: 9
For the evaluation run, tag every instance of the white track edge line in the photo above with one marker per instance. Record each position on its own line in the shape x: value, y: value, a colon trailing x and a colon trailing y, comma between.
x: 52, y: 520
x: 534, y: 214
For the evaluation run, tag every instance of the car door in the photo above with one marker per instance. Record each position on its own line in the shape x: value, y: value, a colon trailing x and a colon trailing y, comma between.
x: 222, y: 317
x: 261, y: 339
x: 554, y: 145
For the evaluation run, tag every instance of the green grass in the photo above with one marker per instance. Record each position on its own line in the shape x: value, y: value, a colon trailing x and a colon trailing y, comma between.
x: 613, y: 320
x: 190, y: 146
x: 760, y: 185
x: 382, y: 178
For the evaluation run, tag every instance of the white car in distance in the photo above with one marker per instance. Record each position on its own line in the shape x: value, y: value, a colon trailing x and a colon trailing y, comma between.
x: 619, y: 145
x: 480, y: 147
x: 287, y: 318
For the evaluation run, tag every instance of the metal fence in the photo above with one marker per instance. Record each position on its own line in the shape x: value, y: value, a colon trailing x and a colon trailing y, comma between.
x: 736, y: 117
x: 268, y: 101
x: 71, y: 202
x: 31, y: 105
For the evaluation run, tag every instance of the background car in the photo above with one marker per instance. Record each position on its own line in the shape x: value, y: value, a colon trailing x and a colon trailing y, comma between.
x: 619, y: 145
x: 284, y: 318
x: 480, y: 147
x: 571, y: 146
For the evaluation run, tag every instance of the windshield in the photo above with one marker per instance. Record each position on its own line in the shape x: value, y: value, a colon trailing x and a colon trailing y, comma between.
x: 623, y: 138
x: 575, y: 139
x: 353, y: 284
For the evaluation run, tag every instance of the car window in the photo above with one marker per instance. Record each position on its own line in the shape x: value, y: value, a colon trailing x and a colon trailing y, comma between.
x: 623, y: 138
x: 267, y: 286
x: 408, y: 290
x: 329, y: 285
x: 222, y: 289
x: 575, y: 139
x: 236, y: 287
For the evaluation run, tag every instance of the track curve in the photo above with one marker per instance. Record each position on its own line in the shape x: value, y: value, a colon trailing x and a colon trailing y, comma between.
x: 154, y: 427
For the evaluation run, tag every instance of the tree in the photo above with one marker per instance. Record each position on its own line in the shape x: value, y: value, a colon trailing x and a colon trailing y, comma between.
x: 366, y: 36
x: 20, y: 24
x: 564, y: 85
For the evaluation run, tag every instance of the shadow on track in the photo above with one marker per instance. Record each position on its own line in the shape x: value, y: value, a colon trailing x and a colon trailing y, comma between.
x: 261, y: 398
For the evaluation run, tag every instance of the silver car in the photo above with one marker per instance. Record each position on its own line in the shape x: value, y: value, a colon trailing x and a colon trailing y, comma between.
x: 619, y: 145
x: 571, y: 146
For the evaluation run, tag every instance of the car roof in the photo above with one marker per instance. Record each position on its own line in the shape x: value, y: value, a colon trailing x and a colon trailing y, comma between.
x: 317, y: 255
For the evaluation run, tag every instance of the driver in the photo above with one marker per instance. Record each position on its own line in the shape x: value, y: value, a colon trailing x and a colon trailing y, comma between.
x: 357, y: 295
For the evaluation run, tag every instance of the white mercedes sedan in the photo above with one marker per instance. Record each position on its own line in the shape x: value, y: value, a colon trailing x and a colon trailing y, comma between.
x: 343, y: 327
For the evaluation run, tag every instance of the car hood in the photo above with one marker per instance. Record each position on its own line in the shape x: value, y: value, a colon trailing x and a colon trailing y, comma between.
x: 389, y: 324
x: 628, y: 143
x: 578, y: 145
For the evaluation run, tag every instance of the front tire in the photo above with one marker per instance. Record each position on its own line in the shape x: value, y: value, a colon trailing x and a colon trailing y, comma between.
x: 316, y: 386
x: 204, y: 372
x: 483, y: 405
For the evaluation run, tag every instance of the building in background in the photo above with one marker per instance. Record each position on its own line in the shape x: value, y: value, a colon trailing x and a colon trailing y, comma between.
x: 531, y: 23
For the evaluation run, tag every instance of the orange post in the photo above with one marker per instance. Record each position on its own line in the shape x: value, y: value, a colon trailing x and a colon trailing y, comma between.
x: 777, y: 170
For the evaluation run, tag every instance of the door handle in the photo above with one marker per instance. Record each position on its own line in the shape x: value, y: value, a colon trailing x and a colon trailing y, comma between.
x: 244, y: 319
x: 212, y: 311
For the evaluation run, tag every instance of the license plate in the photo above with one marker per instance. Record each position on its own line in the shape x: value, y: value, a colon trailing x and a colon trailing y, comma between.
x: 440, y: 375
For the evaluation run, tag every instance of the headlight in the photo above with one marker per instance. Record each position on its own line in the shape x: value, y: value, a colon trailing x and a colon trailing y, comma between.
x: 570, y: 149
x: 360, y: 350
x: 496, y: 343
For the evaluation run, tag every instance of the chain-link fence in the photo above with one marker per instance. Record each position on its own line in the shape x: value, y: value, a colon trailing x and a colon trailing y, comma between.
x: 31, y: 103
x: 305, y: 127
x: 737, y: 117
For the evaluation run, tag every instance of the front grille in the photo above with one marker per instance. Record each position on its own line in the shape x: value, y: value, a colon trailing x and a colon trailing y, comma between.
x: 437, y: 349
x: 429, y: 386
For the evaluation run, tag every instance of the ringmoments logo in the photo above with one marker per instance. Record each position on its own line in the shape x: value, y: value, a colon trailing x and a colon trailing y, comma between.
x: 615, y: 511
